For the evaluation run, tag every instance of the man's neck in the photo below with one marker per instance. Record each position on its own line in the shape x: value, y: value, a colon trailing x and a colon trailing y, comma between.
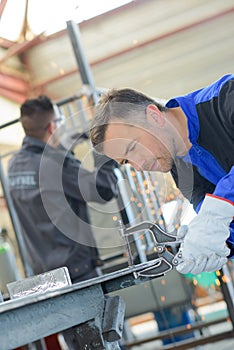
x: 179, y: 121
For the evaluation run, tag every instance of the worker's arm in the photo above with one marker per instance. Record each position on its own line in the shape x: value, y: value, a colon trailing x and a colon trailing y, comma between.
x: 96, y: 186
x: 205, y: 238
x: 204, y: 247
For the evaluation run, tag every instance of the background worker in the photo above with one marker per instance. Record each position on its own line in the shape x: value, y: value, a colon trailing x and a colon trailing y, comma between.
x: 50, y: 190
x: 192, y: 136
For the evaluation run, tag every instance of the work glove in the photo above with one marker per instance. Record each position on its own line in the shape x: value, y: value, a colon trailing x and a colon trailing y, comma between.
x: 204, y: 247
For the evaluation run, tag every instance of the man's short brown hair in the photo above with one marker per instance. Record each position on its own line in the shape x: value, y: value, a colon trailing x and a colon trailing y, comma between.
x: 126, y: 105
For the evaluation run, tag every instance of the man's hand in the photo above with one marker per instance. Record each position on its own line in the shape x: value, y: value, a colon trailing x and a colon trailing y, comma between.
x: 204, y: 247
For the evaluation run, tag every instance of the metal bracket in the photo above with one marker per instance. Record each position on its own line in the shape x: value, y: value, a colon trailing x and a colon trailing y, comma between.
x: 113, y: 318
x: 100, y: 334
x: 89, y: 336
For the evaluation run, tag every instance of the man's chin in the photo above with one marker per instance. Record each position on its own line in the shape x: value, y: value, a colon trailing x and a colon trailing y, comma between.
x: 156, y: 167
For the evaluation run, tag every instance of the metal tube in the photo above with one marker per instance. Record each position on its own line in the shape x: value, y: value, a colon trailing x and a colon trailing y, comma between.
x: 148, y: 237
x: 15, y: 223
x: 227, y: 290
x: 14, y: 121
x: 85, y: 72
x: 125, y: 198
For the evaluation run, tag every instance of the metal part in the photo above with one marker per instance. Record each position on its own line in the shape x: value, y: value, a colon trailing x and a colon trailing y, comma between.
x: 166, y: 246
x: 84, y: 69
x: 12, y: 122
x: 113, y: 319
x: 54, y: 311
x: 89, y: 336
x: 9, y: 270
x: 47, y: 313
x: 15, y: 222
x: 39, y: 284
x: 124, y: 192
x: 70, y: 306
x: 178, y: 258
x: 51, y: 312
x: 227, y: 289
x: 126, y: 242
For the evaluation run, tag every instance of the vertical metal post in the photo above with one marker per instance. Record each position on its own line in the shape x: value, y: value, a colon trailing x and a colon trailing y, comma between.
x: 125, y: 198
x: 149, y: 241
x: 85, y: 72
x: 144, y: 195
x: 40, y: 344
x: 15, y: 222
x: 226, y: 283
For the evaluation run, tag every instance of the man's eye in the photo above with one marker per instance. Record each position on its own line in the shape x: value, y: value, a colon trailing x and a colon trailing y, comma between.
x: 132, y: 147
x: 124, y: 161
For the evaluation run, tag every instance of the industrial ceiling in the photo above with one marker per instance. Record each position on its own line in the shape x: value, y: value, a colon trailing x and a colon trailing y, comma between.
x: 161, y: 47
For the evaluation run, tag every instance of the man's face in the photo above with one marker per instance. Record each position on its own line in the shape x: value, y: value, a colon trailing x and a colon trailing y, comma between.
x: 138, y: 145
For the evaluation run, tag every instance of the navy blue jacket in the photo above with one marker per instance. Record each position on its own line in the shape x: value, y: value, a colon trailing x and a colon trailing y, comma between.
x: 210, y: 118
x: 50, y: 191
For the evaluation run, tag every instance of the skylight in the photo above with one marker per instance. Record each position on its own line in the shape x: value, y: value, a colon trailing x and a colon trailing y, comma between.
x: 50, y: 16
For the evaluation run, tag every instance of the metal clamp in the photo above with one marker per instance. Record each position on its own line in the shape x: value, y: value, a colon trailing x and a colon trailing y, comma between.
x: 166, y: 247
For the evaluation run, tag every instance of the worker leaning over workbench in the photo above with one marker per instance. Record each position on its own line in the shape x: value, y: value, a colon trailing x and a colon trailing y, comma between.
x: 192, y: 136
x: 50, y: 190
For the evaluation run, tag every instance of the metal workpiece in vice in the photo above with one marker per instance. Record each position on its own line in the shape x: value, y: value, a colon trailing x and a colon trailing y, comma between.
x: 46, y: 304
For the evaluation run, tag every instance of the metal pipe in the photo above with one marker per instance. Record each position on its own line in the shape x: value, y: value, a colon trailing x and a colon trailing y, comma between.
x: 84, y: 69
x: 227, y: 290
x: 15, y: 223
x: 125, y: 198
x: 14, y: 121
x: 149, y: 241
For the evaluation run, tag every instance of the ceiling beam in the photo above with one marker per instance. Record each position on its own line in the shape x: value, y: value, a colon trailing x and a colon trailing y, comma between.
x: 13, y: 96
x: 5, y: 43
x: 2, y: 6
x: 13, y: 83
x: 13, y: 88
x: 18, y: 48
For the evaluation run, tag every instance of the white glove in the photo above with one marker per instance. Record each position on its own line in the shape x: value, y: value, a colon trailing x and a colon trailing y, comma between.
x: 204, y: 247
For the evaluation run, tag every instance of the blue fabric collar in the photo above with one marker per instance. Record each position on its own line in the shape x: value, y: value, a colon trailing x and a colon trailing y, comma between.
x: 206, y: 164
x: 186, y: 103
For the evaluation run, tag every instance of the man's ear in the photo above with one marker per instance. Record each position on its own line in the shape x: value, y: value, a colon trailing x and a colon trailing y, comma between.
x: 154, y: 115
x: 50, y: 128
